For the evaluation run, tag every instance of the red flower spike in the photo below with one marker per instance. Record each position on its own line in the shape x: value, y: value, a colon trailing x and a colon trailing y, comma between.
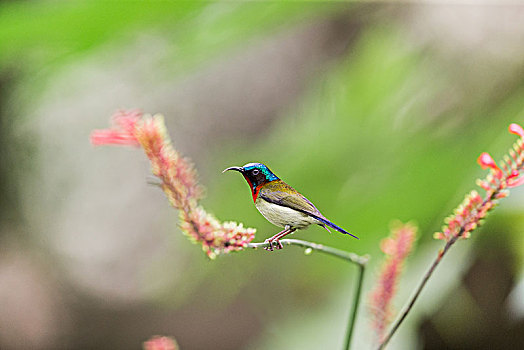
x: 121, y: 133
x: 516, y: 129
x: 127, y: 120
x: 178, y: 180
x: 396, y: 247
x: 515, y: 183
x: 486, y: 161
x: 160, y: 343
x: 471, y: 212
x: 112, y: 137
x: 514, y: 173
x: 502, y: 194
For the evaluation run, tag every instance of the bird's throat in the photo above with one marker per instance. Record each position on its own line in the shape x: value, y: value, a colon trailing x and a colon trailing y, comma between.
x: 255, y: 192
x: 254, y: 189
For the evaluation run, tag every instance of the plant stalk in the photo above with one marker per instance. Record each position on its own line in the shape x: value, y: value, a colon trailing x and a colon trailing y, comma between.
x: 351, y: 257
x: 360, y: 261
x: 427, y: 275
x: 421, y: 286
x: 354, y: 310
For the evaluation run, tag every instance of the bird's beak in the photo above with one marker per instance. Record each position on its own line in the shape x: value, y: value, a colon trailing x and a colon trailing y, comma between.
x: 237, y: 168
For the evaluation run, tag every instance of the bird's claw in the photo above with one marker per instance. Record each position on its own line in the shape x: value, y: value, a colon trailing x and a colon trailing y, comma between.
x: 271, y: 241
x: 270, y: 247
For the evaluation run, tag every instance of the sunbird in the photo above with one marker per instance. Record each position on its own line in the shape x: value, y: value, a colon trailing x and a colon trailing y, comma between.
x: 280, y: 203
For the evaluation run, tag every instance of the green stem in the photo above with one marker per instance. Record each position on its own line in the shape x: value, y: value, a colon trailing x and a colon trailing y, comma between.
x: 360, y: 261
x: 421, y: 286
x: 351, y: 257
x: 356, y: 302
x: 491, y: 197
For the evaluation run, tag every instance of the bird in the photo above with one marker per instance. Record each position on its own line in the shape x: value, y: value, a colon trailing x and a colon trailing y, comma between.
x: 281, y: 204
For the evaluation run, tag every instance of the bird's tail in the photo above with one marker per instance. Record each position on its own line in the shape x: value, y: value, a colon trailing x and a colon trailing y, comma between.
x: 332, y: 225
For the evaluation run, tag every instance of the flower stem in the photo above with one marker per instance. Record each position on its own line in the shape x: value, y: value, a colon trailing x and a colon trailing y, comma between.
x: 354, y: 310
x: 491, y: 196
x: 351, y: 257
x: 421, y: 286
x: 360, y: 261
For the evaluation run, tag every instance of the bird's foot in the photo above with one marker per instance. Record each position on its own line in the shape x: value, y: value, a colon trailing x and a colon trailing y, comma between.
x: 271, y: 245
x: 276, y: 238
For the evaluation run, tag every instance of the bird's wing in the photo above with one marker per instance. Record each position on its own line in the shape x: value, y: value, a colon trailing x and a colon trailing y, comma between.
x: 280, y: 193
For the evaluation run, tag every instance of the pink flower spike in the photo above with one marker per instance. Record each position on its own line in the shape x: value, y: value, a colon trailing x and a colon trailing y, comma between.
x: 486, y: 161
x: 516, y: 129
x: 122, y: 132
x: 514, y: 173
x: 112, y: 137
x: 516, y: 183
x: 160, y: 343
x: 396, y: 247
x: 127, y: 120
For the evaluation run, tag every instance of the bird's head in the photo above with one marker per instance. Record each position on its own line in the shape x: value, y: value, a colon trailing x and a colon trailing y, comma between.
x: 256, y: 175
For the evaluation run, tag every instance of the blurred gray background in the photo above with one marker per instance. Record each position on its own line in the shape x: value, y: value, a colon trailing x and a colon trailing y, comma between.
x: 374, y: 111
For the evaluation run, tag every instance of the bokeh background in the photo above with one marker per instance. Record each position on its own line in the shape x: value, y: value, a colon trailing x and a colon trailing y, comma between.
x: 375, y: 111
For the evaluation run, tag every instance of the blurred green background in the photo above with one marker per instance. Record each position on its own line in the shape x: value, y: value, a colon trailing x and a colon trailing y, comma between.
x: 374, y: 111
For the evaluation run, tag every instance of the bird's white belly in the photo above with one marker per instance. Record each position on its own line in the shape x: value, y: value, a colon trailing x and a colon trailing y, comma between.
x: 283, y: 216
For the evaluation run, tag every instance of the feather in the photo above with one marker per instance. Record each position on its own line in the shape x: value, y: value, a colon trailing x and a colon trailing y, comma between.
x: 280, y: 193
x: 332, y: 225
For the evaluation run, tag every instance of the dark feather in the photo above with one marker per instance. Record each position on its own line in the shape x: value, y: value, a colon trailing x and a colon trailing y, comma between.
x: 332, y: 225
x: 280, y: 193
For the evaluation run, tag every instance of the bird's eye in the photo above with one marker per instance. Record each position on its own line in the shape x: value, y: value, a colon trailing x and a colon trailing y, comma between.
x: 255, y: 172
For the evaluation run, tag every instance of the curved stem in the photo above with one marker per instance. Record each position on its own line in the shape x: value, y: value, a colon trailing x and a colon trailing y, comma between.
x: 356, y: 302
x: 360, y: 261
x: 351, y: 257
x: 491, y: 196
x: 421, y: 286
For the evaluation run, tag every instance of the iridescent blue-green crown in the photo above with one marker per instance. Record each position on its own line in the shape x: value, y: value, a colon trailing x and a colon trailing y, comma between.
x: 264, y: 169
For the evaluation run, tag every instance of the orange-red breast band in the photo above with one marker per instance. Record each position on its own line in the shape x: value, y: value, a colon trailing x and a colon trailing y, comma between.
x: 255, y: 192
